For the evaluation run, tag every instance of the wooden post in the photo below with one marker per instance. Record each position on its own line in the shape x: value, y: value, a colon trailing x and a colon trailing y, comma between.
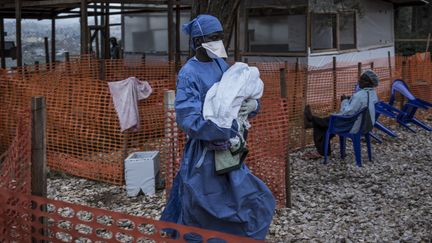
x: 177, y: 39
x: 84, y: 27
x: 2, y: 44
x: 122, y: 32
x: 102, y: 70
x: 304, y: 103
x: 38, y: 156
x: 237, y: 36
x: 67, y: 58
x: 125, y: 144
x: 246, y: 29
x: 38, y: 153
x: 171, y: 132
x: 53, y: 41
x: 309, y: 32
x: 334, y: 84
x: 390, y: 70
x: 107, y: 32
x: 36, y: 63
x: 96, y: 23
x: 67, y: 63
x: 404, y: 74
x: 427, y: 45
x: 170, y: 31
x: 359, y: 70
x: 372, y: 65
x: 47, y: 58
x: 295, y: 85
x: 284, y: 95
x: 282, y: 82
x: 18, y: 4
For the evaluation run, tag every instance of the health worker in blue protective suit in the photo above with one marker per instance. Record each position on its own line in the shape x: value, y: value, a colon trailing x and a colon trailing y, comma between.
x: 236, y: 202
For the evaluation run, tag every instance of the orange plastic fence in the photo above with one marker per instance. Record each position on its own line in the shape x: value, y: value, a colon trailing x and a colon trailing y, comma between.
x: 26, y: 218
x: 417, y: 72
x: 268, y: 145
x: 15, y: 162
x: 84, y: 137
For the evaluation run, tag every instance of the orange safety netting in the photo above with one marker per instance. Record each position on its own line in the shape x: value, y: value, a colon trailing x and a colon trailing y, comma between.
x: 15, y: 161
x: 84, y: 136
x: 83, y: 132
x: 27, y: 218
x: 24, y: 218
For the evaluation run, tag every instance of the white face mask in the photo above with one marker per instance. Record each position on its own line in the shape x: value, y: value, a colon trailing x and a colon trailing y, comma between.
x: 215, y: 49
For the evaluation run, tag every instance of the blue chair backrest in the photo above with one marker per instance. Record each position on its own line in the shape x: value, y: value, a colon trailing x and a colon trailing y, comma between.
x: 342, y: 124
x: 400, y: 86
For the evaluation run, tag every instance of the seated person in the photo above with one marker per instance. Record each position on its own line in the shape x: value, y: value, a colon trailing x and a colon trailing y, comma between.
x: 349, y: 106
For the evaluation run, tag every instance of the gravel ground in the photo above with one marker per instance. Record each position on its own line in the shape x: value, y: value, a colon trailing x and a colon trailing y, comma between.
x: 387, y: 200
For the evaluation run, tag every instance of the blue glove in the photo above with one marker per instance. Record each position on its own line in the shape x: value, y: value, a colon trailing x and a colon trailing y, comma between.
x: 247, y: 107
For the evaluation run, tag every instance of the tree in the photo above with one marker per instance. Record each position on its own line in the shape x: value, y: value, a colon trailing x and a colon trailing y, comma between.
x: 224, y: 10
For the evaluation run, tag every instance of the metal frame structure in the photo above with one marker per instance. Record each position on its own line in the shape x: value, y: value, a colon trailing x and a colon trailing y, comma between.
x: 60, y: 9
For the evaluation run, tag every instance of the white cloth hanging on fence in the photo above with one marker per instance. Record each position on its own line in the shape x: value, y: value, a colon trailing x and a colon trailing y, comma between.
x: 126, y: 94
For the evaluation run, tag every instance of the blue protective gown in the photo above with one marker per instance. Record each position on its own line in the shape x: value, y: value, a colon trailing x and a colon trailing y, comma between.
x: 237, y: 202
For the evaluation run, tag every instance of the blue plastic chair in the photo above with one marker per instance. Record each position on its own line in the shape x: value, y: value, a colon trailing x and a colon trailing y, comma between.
x: 341, y: 125
x: 382, y: 108
x: 409, y: 109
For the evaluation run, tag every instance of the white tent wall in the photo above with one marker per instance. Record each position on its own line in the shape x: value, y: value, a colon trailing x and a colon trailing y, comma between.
x: 148, y: 33
x: 375, y: 38
x: 380, y: 56
x: 375, y: 27
x: 371, y: 37
x: 278, y: 33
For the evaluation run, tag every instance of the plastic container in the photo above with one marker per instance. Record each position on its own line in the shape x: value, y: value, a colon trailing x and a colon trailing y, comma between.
x: 142, y: 172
